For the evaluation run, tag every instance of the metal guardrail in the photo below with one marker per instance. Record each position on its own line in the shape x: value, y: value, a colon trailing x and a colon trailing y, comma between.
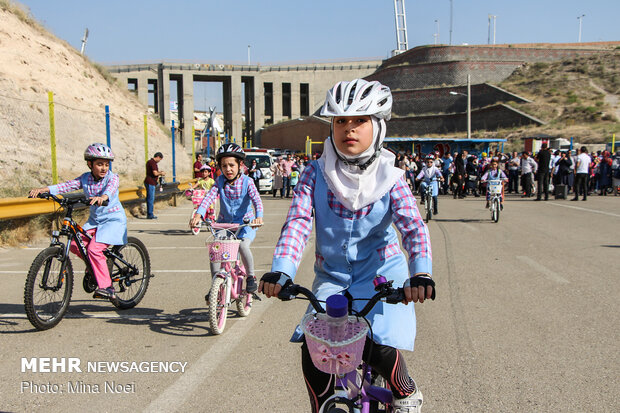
x: 11, y: 208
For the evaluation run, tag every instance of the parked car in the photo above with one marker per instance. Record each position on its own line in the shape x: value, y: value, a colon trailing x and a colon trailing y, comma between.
x: 263, y: 160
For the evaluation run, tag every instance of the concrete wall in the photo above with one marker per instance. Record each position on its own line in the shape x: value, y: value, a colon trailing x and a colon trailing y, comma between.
x: 439, y: 100
x: 489, y: 118
x: 293, y: 134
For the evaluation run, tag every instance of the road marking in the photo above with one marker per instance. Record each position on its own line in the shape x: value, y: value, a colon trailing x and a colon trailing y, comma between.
x: 165, y: 317
x: 470, y: 227
x: 173, y: 398
x: 544, y: 270
x: 595, y: 211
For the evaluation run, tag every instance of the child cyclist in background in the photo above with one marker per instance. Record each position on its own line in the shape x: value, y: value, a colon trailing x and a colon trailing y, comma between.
x: 237, y: 194
x: 494, y: 173
x: 355, y: 194
x: 426, y: 175
x: 106, y: 224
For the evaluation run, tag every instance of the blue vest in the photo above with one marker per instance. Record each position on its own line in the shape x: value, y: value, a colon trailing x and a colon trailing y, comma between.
x: 232, y: 211
x: 111, y: 226
x: 350, y: 253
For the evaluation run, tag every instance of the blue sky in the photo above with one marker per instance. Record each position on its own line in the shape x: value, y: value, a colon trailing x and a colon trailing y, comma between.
x: 280, y: 31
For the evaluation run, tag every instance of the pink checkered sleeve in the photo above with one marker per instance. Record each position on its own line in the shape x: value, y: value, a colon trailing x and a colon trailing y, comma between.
x: 112, y: 186
x: 64, y: 187
x: 298, y: 225
x: 255, y: 197
x: 409, y: 222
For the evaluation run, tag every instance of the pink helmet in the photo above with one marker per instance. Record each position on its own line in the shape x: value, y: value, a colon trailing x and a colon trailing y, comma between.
x: 98, y: 151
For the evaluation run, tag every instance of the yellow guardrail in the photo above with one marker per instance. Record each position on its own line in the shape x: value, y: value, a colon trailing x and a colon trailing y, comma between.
x: 26, y: 207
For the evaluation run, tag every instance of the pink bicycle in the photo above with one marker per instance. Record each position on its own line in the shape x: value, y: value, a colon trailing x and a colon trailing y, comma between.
x: 196, y: 195
x: 228, y: 284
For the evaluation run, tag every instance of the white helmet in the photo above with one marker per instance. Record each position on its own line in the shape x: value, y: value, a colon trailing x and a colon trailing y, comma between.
x: 358, y: 98
x: 98, y: 151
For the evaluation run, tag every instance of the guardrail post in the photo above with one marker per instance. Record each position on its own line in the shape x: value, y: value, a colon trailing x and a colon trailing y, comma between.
x: 50, y: 97
x: 174, y: 170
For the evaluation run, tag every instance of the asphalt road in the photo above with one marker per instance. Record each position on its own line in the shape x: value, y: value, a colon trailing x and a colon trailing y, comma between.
x: 527, y: 318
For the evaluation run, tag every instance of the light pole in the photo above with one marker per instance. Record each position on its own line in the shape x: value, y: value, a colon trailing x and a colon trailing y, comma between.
x: 468, y: 104
x: 450, y: 22
x: 437, y: 41
x: 580, y: 18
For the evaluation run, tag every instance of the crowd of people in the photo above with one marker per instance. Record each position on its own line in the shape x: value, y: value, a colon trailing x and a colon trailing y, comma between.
x: 578, y: 172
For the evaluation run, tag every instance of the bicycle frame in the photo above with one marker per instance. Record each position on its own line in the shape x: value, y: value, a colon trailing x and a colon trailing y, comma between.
x: 234, y: 279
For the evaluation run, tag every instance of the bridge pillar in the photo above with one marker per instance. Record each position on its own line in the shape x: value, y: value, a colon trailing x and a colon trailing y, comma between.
x: 188, y: 110
x: 143, y: 90
x: 163, y: 84
x: 237, y: 129
x: 295, y: 95
x: 277, y: 101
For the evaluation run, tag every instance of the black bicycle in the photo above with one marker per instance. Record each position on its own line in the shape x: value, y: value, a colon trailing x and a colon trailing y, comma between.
x: 49, y: 283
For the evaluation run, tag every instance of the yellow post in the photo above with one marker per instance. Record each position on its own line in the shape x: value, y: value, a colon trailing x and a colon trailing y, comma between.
x: 50, y: 97
x: 146, y: 140
x: 308, y: 146
x: 245, y: 142
x: 613, y: 143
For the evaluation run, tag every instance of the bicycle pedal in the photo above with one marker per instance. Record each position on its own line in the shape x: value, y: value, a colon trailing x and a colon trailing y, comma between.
x: 256, y: 297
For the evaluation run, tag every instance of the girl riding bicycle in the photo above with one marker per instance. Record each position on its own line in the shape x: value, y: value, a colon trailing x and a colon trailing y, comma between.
x: 355, y: 194
x: 494, y: 173
x: 106, y: 224
x: 237, y: 194
x: 428, y: 176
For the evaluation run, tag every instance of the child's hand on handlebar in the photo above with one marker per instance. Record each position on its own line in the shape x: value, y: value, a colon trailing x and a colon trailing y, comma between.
x: 257, y: 221
x: 272, y: 282
x: 195, y: 221
x: 36, y: 191
x: 99, y: 200
x: 420, y: 287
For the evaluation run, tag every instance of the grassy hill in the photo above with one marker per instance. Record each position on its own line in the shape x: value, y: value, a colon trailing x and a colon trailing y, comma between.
x: 576, y: 98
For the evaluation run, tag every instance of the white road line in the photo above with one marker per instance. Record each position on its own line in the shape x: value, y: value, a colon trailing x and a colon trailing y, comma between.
x: 470, y: 227
x: 173, y: 398
x: 165, y: 317
x: 595, y: 211
x: 543, y: 270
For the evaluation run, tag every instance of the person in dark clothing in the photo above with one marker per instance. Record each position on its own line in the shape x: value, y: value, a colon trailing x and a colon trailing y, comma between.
x: 542, y: 174
x: 564, y: 164
x: 152, y: 174
x: 473, y: 176
x: 459, y: 175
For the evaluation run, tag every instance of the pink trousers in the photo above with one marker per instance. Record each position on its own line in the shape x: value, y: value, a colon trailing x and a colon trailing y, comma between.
x: 95, y: 250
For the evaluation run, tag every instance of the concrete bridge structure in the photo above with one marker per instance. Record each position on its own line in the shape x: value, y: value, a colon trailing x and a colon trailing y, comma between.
x: 269, y: 94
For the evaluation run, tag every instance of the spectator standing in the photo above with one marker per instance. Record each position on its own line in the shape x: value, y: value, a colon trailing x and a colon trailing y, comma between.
x: 445, y: 171
x: 197, y: 166
x: 152, y: 174
x: 581, y: 174
x: 276, y: 172
x: 542, y: 174
x: 605, y: 173
x: 459, y: 175
x: 255, y: 173
x: 513, y: 173
x: 563, y: 169
x: 287, y: 168
x: 528, y: 168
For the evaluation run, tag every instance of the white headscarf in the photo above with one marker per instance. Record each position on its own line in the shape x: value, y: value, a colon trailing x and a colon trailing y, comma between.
x: 354, y: 187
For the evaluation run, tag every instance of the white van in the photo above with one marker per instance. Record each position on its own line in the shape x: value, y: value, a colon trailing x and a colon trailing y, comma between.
x: 263, y: 160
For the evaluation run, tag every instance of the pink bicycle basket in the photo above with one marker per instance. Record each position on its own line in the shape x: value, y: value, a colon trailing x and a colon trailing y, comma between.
x: 223, y: 250
x: 334, y: 355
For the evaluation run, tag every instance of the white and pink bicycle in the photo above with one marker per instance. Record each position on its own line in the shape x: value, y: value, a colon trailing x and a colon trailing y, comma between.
x: 227, y: 286
x: 197, y: 195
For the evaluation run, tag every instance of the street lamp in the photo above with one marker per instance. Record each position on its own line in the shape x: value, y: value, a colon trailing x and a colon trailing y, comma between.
x: 489, y: 29
x: 580, y: 18
x: 437, y: 32
x: 468, y: 104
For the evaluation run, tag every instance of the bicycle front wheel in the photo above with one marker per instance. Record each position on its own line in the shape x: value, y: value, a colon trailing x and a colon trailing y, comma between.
x: 48, y: 289
x: 217, y: 305
x: 131, y: 278
x: 429, y: 208
x: 496, y: 208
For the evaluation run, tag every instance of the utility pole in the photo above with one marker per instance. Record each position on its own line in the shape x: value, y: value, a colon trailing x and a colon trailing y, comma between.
x: 248, y: 55
x: 580, y: 18
x: 84, y: 39
x: 450, y: 22
x: 437, y: 40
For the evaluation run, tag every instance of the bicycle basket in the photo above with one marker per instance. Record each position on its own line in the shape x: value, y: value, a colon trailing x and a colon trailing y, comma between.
x: 334, y: 355
x: 222, y: 250
x: 495, y: 188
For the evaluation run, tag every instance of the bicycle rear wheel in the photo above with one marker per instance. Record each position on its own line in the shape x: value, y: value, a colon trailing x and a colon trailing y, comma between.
x: 48, y: 290
x: 217, y: 305
x: 132, y: 279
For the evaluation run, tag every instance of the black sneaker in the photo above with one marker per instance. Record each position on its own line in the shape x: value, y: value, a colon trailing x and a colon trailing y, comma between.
x: 104, y: 293
x: 250, y: 284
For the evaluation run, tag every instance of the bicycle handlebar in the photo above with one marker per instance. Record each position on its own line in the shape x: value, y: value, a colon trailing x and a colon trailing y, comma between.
x: 69, y: 199
x: 385, y: 291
